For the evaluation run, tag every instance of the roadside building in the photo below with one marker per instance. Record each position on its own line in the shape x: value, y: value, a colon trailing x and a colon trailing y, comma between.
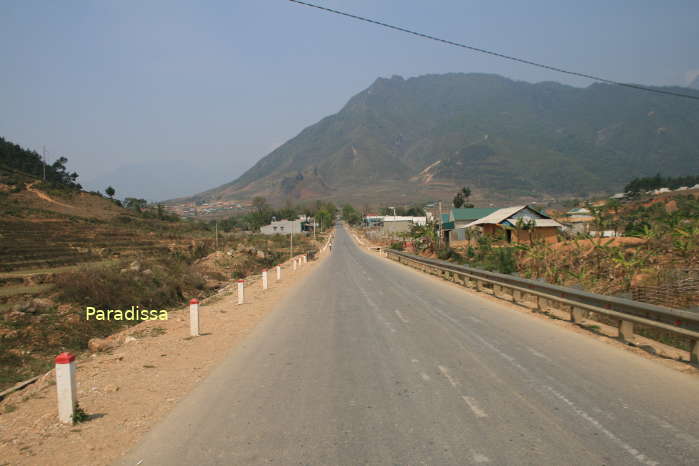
x: 373, y: 221
x: 519, y: 224
x: 579, y: 224
x: 396, y: 226
x: 578, y: 220
x: 458, y: 219
x: 579, y: 212
x: 446, y: 228
x: 400, y: 224
x: 283, y: 227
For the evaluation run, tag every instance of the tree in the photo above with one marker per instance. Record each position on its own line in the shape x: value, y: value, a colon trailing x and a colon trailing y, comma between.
x: 461, y: 198
x: 415, y: 211
x: 110, y: 192
x: 466, y: 191
x: 260, y: 205
x: 135, y: 204
x: 350, y: 215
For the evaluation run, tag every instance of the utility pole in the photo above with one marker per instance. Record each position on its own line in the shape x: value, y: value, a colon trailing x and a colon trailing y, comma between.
x: 439, y: 242
x: 43, y: 151
x: 314, y: 228
x: 291, y: 246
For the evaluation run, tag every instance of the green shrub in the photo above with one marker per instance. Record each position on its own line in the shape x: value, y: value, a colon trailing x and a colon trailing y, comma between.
x: 397, y: 245
x: 449, y: 254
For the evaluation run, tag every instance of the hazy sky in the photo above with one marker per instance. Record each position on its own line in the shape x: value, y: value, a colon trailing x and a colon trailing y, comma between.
x: 206, y: 88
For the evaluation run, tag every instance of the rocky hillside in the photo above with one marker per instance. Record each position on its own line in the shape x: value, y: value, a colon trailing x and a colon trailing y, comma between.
x: 419, y: 137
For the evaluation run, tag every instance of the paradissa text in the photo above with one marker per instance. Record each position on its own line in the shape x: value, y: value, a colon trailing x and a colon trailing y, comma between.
x: 133, y: 313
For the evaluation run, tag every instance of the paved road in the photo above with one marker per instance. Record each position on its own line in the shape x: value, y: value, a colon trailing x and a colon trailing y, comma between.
x: 371, y: 362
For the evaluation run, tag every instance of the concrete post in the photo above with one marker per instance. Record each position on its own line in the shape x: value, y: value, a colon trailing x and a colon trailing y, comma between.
x: 626, y: 331
x: 241, y: 291
x: 279, y: 273
x: 496, y: 290
x: 694, y: 352
x: 577, y: 315
x: 305, y: 259
x: 516, y: 296
x: 66, y: 387
x: 510, y: 292
x: 294, y: 266
x: 194, y: 317
x: 264, y: 279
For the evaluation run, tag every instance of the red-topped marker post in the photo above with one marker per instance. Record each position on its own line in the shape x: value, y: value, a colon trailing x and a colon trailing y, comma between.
x: 66, y: 387
x: 194, y: 317
x: 241, y: 291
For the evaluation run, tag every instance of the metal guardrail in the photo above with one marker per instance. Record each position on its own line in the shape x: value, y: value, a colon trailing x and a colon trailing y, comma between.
x: 625, y: 311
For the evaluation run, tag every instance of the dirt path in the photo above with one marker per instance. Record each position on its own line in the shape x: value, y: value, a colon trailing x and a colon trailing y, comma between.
x: 44, y: 196
x: 130, y: 388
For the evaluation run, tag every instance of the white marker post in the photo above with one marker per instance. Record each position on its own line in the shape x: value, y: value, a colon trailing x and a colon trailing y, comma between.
x: 241, y: 291
x: 194, y: 317
x: 279, y: 273
x: 65, y: 387
x: 305, y: 259
x: 294, y: 267
x: 264, y: 279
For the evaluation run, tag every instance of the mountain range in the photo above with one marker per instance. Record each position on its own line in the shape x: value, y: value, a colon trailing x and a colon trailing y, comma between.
x: 422, y: 138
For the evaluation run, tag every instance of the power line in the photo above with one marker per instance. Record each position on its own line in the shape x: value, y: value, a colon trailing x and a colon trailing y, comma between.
x: 496, y: 54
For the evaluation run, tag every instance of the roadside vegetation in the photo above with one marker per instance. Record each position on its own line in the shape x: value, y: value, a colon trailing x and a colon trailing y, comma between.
x: 63, y: 249
x: 655, y: 247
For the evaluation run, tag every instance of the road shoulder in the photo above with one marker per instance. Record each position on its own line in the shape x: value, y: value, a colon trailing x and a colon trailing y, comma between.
x: 128, y: 389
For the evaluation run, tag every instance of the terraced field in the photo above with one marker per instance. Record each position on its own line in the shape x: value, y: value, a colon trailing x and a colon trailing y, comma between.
x: 34, y: 251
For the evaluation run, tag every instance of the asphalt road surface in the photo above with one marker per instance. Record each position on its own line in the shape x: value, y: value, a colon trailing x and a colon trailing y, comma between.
x: 370, y: 362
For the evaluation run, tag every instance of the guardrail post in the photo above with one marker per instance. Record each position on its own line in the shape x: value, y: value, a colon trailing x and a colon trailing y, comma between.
x: 694, y: 352
x: 509, y: 292
x: 241, y: 291
x: 264, y: 279
x: 537, y: 302
x: 516, y: 296
x: 194, y: 317
x: 66, y: 387
x: 626, y: 331
x: 279, y: 273
x: 497, y: 289
x: 577, y: 315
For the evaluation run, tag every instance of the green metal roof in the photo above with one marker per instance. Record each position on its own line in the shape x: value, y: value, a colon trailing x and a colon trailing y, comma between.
x: 471, y: 213
x: 445, y: 218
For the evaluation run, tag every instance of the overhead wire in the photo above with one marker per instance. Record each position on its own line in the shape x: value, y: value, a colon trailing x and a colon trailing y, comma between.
x: 497, y: 54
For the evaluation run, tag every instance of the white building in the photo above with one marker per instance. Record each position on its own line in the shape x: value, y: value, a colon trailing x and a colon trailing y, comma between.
x: 282, y: 227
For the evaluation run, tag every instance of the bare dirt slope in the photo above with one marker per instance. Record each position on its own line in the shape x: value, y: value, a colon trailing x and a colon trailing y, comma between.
x: 127, y: 389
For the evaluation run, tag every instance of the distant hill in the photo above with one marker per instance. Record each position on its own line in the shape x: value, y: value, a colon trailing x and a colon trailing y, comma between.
x: 420, y: 138
x: 694, y: 84
x: 14, y: 157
